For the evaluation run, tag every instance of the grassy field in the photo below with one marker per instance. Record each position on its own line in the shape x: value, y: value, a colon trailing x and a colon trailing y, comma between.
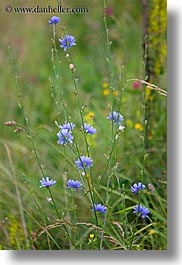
x: 39, y: 91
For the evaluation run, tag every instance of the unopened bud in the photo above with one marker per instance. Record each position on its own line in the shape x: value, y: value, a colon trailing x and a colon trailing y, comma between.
x: 19, y: 130
x: 151, y: 188
x: 49, y: 199
x: 10, y: 123
x: 121, y: 128
x: 71, y: 66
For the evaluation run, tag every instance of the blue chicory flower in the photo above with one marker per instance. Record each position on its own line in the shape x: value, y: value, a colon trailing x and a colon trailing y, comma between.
x: 46, y: 182
x: 67, y: 41
x: 88, y: 129
x: 136, y: 187
x: 74, y: 184
x: 100, y: 208
x: 69, y: 126
x: 139, y: 209
x: 64, y: 136
x: 54, y: 19
x: 84, y: 161
x: 116, y: 117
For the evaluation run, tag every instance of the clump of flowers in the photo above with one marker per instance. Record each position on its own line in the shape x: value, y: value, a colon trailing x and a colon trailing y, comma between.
x: 73, y: 184
x: 67, y: 41
x: 84, y: 161
x: 88, y: 128
x: 64, y: 136
x: 54, y: 20
x: 68, y: 126
x: 46, y: 182
x: 136, y: 187
x: 141, y: 210
x: 100, y: 208
x: 116, y: 117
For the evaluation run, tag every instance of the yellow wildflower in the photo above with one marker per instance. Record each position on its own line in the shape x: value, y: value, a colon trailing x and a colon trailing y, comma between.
x: 105, y: 85
x: 92, y: 236
x: 139, y: 126
x: 105, y: 92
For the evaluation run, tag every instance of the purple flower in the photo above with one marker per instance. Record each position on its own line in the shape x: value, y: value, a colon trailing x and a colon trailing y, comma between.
x: 84, y: 161
x: 88, y: 129
x: 136, y: 187
x: 139, y: 209
x: 74, y: 184
x: 116, y: 117
x: 69, y: 126
x: 46, y: 182
x: 64, y: 136
x: 67, y: 41
x: 54, y: 19
x: 100, y: 208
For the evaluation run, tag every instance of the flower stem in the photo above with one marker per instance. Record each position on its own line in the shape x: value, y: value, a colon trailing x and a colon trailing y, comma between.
x: 53, y: 201
x: 59, y: 216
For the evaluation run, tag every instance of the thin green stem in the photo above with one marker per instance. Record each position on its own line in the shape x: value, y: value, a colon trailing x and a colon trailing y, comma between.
x: 135, y: 225
x: 91, y: 190
x: 56, y: 70
x: 59, y: 216
x: 53, y: 201
x: 68, y: 204
x: 144, y: 105
x: 105, y: 216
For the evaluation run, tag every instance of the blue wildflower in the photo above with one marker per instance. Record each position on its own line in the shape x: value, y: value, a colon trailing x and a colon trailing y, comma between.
x: 67, y: 41
x: 84, y: 161
x: 73, y: 184
x: 65, y: 137
x: 142, y: 210
x: 69, y: 126
x: 88, y: 129
x: 46, y: 182
x: 136, y: 187
x: 100, y: 208
x: 54, y: 19
x: 116, y: 117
